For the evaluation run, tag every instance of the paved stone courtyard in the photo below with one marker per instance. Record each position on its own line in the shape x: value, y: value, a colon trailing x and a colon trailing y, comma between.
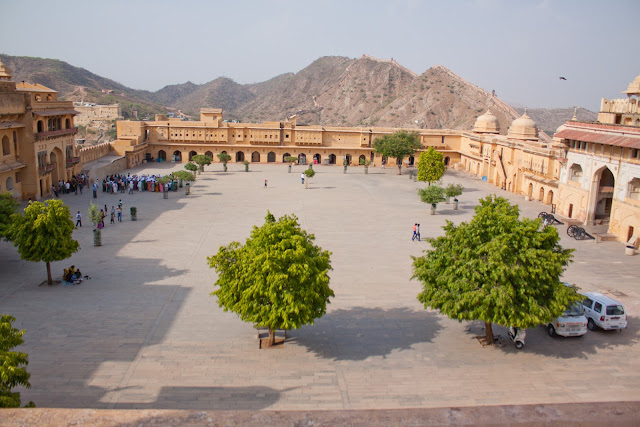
x: 145, y: 333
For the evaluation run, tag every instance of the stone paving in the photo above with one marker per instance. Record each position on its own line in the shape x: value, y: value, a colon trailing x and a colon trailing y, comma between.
x: 145, y: 333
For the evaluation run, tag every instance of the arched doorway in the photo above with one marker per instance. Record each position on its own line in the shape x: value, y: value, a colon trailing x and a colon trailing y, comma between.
x: 9, y: 184
x: 239, y: 156
x: 54, y: 158
x: 541, y: 194
x: 191, y: 154
x: 317, y: 158
x: 67, y: 123
x: 209, y: 153
x: 362, y: 159
x: 332, y: 159
x: 271, y: 157
x: 255, y: 157
x: 347, y: 158
x: 530, y: 191
x: 412, y: 161
x: 284, y: 157
x: 447, y: 160
x: 373, y: 157
x: 178, y: 156
x: 162, y: 155
x: 549, y: 200
x: 604, y: 197
x: 302, y: 159
x: 40, y: 126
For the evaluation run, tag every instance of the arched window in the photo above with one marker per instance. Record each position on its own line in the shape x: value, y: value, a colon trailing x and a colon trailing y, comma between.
x: 9, y: 184
x: 191, y: 154
x: 302, y: 159
x: 40, y: 126
x: 575, y: 172
x: 271, y: 157
x: 361, y: 159
x: 255, y: 157
x: 6, y: 148
x: 209, y: 153
x: 67, y: 123
x: 162, y: 155
x: 239, y: 156
x: 178, y: 156
x: 634, y: 189
x: 284, y: 157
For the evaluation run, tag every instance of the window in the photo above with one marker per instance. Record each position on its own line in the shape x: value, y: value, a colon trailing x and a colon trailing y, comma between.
x: 17, y: 177
x: 587, y: 303
x: 597, y: 307
x: 9, y: 183
x: 615, y: 310
x: 6, y: 148
x: 634, y: 189
x: 575, y: 173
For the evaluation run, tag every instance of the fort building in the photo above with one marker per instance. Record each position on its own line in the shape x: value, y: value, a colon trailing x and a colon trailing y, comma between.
x: 37, y: 133
x: 96, y: 114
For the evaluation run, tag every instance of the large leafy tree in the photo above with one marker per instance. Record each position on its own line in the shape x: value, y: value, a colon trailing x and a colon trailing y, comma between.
x: 398, y: 145
x: 432, y: 195
x: 278, y: 279
x: 13, y: 364
x: 44, y: 233
x: 497, y: 268
x: 430, y: 166
x: 8, y: 207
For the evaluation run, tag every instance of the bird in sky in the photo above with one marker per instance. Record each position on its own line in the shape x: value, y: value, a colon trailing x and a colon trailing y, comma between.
x: 563, y: 78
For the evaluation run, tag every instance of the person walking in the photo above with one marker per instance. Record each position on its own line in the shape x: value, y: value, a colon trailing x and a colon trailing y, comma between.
x: 78, y: 219
x: 418, y: 232
x: 101, y: 216
x: 55, y: 192
x: 302, y: 178
x: 119, y: 212
x: 95, y: 190
x: 265, y: 183
x: 415, y: 226
x: 113, y: 215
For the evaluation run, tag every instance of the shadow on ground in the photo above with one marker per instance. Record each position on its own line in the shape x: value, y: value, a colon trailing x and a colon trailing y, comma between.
x: 538, y: 340
x: 209, y: 398
x: 361, y: 332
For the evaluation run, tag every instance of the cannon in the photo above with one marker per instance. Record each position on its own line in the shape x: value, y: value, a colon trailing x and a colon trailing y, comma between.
x: 578, y: 233
x: 550, y: 218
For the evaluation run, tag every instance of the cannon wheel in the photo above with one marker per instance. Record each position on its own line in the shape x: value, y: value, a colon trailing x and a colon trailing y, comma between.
x: 571, y: 230
x: 542, y: 214
x: 579, y: 233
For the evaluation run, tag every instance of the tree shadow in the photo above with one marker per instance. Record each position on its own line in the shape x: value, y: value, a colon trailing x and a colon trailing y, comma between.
x: 206, y: 398
x: 362, y: 332
x: 539, y: 342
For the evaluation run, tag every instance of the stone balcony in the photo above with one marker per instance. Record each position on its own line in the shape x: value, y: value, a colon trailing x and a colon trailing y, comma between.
x: 39, y: 136
x: 48, y: 168
x: 72, y: 161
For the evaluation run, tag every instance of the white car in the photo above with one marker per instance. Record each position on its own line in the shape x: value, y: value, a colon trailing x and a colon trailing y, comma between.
x: 603, y: 312
x: 572, y: 323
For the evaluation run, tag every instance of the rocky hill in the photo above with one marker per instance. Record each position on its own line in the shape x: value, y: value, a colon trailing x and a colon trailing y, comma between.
x: 549, y: 119
x: 332, y: 90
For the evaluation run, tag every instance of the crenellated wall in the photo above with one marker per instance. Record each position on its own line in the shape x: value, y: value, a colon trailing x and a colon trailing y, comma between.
x: 94, y: 152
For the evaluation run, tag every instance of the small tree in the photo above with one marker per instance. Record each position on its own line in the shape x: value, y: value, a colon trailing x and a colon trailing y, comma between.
x: 183, y: 175
x: 44, y: 233
x: 496, y: 268
x: 246, y: 165
x: 310, y: 173
x: 453, y: 190
x: 224, y: 158
x: 192, y: 167
x: 291, y: 160
x: 399, y: 145
x: 13, y: 364
x: 201, y: 160
x: 278, y: 279
x: 8, y: 206
x: 432, y: 195
x: 430, y: 166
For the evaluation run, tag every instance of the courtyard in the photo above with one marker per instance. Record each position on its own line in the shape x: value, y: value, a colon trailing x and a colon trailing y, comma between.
x: 144, y: 332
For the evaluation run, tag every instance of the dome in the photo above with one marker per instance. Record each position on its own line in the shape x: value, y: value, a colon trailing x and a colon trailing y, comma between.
x: 523, y: 128
x: 5, y: 73
x: 487, y: 123
x: 634, y: 87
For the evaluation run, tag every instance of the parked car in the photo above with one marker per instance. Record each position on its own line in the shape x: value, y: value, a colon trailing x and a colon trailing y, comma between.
x: 572, y: 323
x: 603, y: 312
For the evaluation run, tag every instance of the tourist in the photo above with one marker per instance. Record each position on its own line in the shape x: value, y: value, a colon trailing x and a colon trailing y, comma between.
x: 55, y: 192
x: 78, y: 219
x: 265, y: 183
x: 302, y: 178
x: 113, y: 215
x: 101, y: 216
x: 95, y: 190
x: 415, y: 227
x: 418, y: 232
x: 119, y: 211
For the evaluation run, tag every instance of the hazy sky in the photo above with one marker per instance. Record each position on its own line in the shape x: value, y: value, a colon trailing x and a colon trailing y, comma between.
x: 517, y: 48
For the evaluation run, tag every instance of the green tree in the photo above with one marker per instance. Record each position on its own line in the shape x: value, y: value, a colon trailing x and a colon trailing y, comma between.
x: 497, y: 268
x: 291, y: 160
x: 183, y: 175
x: 44, y: 233
x: 278, y: 279
x: 432, y: 195
x: 201, y: 160
x: 309, y: 173
x: 13, y: 364
x: 453, y: 190
x: 399, y: 145
x: 191, y: 167
x: 224, y: 158
x: 430, y: 166
x: 8, y: 207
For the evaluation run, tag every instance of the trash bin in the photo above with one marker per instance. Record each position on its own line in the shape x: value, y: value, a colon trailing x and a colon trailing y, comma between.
x: 134, y: 213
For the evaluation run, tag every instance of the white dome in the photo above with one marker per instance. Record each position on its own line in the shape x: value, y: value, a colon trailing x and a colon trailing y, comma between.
x: 487, y: 123
x: 523, y: 128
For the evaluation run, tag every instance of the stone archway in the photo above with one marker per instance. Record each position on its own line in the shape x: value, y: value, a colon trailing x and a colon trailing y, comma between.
x: 177, y: 155
x: 317, y: 158
x: 541, y: 194
x: 549, y: 200
x: 255, y: 157
x: 361, y: 159
x: 240, y: 156
x: 191, y: 154
x: 209, y: 153
x: 271, y: 157
x: 56, y: 158
x: 332, y: 159
x: 530, y: 191
x: 603, y: 200
x: 302, y: 159
x: 162, y: 155
x: 284, y: 157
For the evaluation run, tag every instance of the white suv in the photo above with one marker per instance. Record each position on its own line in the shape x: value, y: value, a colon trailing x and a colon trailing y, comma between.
x: 572, y: 323
x: 604, y: 312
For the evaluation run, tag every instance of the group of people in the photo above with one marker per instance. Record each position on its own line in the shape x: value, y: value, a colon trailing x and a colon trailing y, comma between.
x: 73, y: 276
x: 75, y: 184
x: 120, y: 184
x: 416, y: 232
